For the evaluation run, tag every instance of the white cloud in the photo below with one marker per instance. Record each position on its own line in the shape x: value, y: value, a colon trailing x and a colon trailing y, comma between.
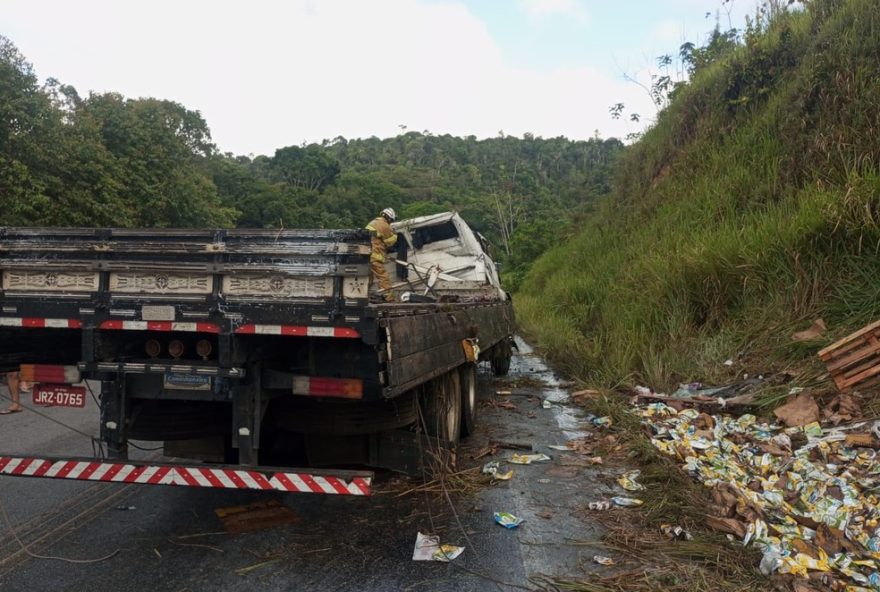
x: 668, y: 33
x: 542, y: 8
x: 267, y: 74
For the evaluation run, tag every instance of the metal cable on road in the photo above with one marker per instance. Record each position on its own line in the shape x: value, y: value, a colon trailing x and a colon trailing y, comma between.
x: 30, y: 553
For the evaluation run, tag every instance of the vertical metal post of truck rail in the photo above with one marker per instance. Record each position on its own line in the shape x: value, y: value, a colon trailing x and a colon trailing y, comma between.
x: 113, y: 426
x: 245, y: 417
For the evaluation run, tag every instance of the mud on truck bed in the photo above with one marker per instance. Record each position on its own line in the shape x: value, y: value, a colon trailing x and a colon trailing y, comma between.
x: 258, y: 347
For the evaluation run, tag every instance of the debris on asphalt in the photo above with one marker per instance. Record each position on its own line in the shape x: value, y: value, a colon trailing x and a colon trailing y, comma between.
x: 511, y: 445
x: 595, y: 460
x: 583, y: 446
x: 600, y: 422
x: 428, y: 548
x: 546, y: 515
x: 805, y: 495
x: 494, y: 469
x: 626, y: 502
x: 584, y: 394
x: 527, y: 459
x: 628, y: 481
x: 558, y: 447
x: 126, y: 508
x: 676, y: 533
x: 508, y: 520
x: 255, y: 516
x: 602, y: 560
x: 486, y: 451
x: 546, y: 404
x: 599, y: 506
x: 243, y: 571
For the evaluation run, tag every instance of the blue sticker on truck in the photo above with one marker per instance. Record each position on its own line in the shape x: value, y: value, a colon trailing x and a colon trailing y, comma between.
x: 189, y: 382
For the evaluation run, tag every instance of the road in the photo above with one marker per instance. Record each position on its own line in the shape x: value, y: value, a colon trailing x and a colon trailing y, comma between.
x: 168, y: 538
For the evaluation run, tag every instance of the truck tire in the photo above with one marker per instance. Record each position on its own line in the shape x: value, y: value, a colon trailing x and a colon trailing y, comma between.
x: 500, y: 359
x: 467, y: 377
x: 441, y: 408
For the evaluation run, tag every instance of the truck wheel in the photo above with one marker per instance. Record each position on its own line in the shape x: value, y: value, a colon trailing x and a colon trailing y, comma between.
x: 501, y: 358
x: 467, y: 377
x: 441, y: 407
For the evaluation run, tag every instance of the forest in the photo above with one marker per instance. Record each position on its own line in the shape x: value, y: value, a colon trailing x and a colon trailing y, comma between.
x: 102, y: 159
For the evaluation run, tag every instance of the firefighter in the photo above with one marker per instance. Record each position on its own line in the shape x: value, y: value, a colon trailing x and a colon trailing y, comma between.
x: 383, y: 237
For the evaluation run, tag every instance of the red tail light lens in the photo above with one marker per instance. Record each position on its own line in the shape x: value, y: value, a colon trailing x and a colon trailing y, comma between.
x: 343, y: 388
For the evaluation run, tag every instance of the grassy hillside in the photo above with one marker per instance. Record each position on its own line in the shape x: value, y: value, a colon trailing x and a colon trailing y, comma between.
x: 749, y: 209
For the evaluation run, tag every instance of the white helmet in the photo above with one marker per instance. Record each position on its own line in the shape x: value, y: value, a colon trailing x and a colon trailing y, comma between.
x: 389, y: 213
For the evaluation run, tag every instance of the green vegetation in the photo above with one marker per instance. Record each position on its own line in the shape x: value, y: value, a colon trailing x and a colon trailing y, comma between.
x: 519, y: 192
x: 749, y: 209
x: 104, y: 160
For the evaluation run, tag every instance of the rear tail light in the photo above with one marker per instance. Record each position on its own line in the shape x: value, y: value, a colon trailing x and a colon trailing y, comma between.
x: 204, y: 348
x: 50, y: 373
x: 176, y: 348
x: 343, y: 388
x: 153, y: 348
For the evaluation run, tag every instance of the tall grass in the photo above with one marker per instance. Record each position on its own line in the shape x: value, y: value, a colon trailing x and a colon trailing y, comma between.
x: 750, y: 208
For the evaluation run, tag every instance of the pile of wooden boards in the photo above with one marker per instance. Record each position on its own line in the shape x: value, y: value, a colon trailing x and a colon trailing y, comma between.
x: 854, y: 361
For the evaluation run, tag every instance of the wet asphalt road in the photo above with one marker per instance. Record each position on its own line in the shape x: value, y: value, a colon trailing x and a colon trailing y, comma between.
x: 172, y: 539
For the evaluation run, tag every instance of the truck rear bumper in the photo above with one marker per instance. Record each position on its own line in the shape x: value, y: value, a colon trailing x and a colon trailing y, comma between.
x: 340, y: 482
x: 159, y: 368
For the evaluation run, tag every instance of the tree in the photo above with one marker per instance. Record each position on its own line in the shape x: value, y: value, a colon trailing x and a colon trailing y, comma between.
x: 309, y: 168
x: 162, y: 148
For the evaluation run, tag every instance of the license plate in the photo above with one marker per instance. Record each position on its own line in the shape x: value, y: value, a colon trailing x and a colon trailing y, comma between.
x: 187, y: 382
x: 157, y: 313
x: 59, y: 395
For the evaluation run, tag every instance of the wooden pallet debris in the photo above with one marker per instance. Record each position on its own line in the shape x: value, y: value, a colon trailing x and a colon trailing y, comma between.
x: 255, y: 516
x: 854, y: 361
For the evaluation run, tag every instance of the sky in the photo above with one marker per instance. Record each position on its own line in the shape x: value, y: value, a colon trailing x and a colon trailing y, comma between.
x: 267, y: 74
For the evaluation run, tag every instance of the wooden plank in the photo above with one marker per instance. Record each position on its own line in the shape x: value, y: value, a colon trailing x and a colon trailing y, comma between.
x: 843, y: 350
x: 853, y: 381
x: 853, y: 358
x: 255, y: 516
x: 839, y: 345
x: 854, y: 369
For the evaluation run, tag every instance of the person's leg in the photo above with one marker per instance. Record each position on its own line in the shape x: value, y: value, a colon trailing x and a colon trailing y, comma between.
x: 14, y: 384
x: 381, y: 275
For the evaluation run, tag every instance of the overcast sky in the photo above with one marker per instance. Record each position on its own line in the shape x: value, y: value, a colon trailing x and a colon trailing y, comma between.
x: 267, y: 74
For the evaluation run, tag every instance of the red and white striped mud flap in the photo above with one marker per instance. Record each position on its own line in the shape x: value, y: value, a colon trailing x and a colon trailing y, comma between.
x: 226, y: 477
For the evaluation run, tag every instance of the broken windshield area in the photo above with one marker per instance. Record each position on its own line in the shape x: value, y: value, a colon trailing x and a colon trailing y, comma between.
x: 432, y: 234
